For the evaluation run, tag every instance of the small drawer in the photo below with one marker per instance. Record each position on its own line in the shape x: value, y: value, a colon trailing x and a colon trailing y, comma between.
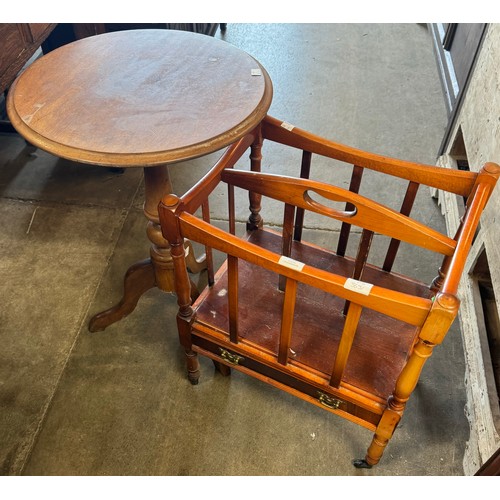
x: 278, y: 377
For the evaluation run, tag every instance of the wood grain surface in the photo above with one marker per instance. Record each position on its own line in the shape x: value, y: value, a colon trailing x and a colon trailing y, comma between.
x: 139, y: 98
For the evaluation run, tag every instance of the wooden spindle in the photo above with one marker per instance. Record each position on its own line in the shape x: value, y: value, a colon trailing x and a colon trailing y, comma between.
x: 287, y: 320
x: 305, y: 170
x: 232, y: 285
x: 231, y: 213
x: 286, y: 238
x: 362, y: 255
x: 255, y: 219
x: 361, y: 258
x: 205, y: 213
x: 357, y: 174
x: 409, y: 199
x: 350, y: 326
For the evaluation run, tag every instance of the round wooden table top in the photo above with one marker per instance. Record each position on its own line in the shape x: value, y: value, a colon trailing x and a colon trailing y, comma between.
x: 139, y: 98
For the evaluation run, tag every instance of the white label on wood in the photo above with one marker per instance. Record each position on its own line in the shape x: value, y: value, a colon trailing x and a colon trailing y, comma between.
x: 358, y: 286
x: 288, y: 126
x: 291, y: 263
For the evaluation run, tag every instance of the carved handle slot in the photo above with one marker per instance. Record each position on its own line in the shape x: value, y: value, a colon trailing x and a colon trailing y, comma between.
x: 333, y: 206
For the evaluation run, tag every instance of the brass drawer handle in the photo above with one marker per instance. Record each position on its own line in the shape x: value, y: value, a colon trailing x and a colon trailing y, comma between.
x: 328, y: 401
x: 234, y: 359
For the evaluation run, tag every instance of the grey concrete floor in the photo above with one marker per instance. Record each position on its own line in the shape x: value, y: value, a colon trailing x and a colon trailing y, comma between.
x: 118, y: 402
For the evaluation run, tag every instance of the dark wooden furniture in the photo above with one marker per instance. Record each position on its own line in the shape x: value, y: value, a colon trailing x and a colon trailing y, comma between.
x: 66, y: 33
x: 342, y: 332
x: 140, y: 98
x: 18, y: 43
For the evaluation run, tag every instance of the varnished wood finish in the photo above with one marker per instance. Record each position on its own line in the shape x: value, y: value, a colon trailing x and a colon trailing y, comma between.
x: 305, y: 171
x: 361, y: 256
x: 345, y: 229
x: 458, y: 182
x: 368, y: 214
x: 18, y: 42
x: 409, y: 199
x: 275, y: 309
x: 141, y: 98
x: 254, y: 219
x: 139, y: 279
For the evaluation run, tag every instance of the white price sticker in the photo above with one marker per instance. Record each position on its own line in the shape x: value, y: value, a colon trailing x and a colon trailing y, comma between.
x: 288, y: 126
x: 256, y: 72
x: 358, y: 286
x: 291, y: 263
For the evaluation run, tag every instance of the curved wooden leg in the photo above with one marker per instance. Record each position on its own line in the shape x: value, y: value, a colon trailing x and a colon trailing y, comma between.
x: 194, y: 265
x: 158, y: 270
x: 138, y: 279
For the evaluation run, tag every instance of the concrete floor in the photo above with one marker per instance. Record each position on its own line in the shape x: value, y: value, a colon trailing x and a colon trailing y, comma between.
x: 118, y: 402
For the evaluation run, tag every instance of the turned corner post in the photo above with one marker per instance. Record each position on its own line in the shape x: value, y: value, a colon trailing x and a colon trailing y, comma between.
x: 396, y: 404
x: 169, y: 209
x: 441, y: 315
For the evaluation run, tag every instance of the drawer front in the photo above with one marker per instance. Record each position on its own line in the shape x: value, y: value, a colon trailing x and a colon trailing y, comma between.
x: 318, y: 395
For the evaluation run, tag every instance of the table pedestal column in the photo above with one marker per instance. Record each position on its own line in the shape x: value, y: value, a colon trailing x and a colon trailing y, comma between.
x: 157, y: 183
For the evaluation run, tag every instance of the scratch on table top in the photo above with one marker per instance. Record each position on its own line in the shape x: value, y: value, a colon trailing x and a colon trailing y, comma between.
x: 28, y: 118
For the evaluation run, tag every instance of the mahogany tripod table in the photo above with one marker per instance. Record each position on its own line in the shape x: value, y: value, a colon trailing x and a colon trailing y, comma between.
x: 140, y: 98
